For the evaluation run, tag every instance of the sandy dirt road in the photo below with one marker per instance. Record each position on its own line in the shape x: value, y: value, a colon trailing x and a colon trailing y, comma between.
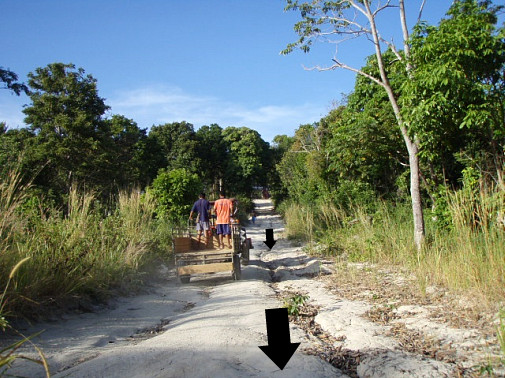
x: 212, y: 327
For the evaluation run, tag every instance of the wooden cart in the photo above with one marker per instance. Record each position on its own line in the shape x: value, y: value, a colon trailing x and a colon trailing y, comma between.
x: 193, y: 258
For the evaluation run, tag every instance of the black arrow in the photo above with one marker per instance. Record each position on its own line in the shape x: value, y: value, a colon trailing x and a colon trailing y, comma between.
x: 279, y: 348
x: 270, y: 242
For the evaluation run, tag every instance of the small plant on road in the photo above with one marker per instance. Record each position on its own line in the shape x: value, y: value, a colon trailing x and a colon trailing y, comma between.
x: 294, y: 303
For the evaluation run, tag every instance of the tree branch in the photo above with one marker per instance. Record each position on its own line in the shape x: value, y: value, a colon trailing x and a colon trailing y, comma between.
x: 421, y: 11
x: 379, y: 9
x: 358, y: 8
x: 405, y: 30
x: 358, y: 71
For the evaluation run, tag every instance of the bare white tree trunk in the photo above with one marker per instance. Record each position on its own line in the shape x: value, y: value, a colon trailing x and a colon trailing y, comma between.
x: 415, y: 185
x: 412, y: 146
x: 347, y: 26
x: 415, y: 194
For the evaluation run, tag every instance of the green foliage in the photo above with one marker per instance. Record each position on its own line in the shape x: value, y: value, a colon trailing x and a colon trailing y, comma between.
x: 128, y: 162
x: 13, y: 146
x: 303, y: 167
x: 247, y: 159
x: 349, y: 194
x: 9, y: 81
x: 451, y: 100
x: 294, y: 303
x: 281, y: 144
x: 314, y: 18
x: 454, y: 98
x: 474, y: 205
x: 440, y: 209
x: 175, y: 192
x: 69, y: 143
x: 75, y: 257
x: 178, y: 145
x: 213, y: 154
x: 364, y: 146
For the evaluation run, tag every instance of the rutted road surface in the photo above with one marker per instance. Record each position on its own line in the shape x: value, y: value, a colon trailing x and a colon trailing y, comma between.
x: 212, y: 327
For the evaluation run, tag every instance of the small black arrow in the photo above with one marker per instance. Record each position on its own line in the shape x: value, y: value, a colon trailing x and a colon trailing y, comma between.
x: 270, y: 242
x: 279, y: 348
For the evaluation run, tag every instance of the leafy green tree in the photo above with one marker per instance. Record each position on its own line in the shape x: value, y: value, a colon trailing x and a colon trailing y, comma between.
x: 152, y: 158
x: 213, y: 155
x: 128, y: 157
x: 11, y: 141
x: 280, y: 146
x: 364, y: 144
x: 9, y: 81
x: 247, y: 159
x: 175, y: 192
x: 336, y: 21
x: 293, y: 172
x: 455, y: 96
x: 70, y: 142
x: 13, y: 144
x: 178, y: 145
x: 303, y: 167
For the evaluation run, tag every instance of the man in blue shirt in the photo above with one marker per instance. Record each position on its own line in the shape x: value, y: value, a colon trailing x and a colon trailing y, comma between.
x: 201, y: 207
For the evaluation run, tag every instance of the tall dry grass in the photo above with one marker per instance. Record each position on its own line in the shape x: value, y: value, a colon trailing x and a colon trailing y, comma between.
x: 467, y: 257
x: 76, y: 257
x: 471, y: 255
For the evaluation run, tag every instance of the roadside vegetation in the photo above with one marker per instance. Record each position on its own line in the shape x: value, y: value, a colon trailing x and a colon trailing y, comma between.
x: 344, y: 182
x: 91, y: 199
x: 87, y: 199
x: 75, y: 258
x: 460, y: 258
x: 9, y: 353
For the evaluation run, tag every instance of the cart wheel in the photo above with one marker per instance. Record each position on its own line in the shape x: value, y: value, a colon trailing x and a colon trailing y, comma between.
x: 184, y: 279
x: 237, y: 273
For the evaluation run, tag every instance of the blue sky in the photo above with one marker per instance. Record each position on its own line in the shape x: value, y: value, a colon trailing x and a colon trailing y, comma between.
x: 202, y: 61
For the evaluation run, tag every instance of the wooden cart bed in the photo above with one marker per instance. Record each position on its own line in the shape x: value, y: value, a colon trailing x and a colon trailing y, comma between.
x: 193, y: 257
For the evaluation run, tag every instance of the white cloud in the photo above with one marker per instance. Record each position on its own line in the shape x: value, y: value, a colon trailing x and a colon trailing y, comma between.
x: 156, y: 105
x: 160, y: 104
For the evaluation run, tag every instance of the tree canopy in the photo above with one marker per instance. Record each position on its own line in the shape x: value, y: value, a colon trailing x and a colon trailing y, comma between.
x: 71, y: 140
x: 442, y: 79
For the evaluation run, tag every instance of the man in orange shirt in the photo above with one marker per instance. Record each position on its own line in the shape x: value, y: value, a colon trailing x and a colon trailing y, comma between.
x: 223, y: 208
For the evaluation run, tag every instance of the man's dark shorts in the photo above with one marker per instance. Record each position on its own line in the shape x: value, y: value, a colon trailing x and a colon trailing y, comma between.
x: 223, y: 229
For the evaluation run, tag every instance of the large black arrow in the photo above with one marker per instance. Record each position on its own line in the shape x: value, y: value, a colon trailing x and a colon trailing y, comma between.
x: 270, y: 242
x: 279, y: 348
